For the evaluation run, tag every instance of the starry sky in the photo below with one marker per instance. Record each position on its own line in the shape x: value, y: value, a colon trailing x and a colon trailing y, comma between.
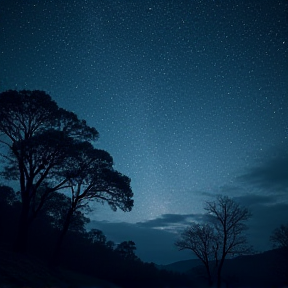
x: 190, y: 97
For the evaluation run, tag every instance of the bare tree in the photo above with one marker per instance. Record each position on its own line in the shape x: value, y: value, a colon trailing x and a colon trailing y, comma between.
x: 220, y: 237
x: 200, y: 238
x: 228, y: 218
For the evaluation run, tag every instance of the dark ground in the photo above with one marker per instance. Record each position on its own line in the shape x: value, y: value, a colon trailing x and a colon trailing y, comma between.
x: 27, y: 271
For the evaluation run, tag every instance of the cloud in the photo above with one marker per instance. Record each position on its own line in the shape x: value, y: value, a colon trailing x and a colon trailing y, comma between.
x: 153, y: 245
x: 155, y: 241
x: 271, y: 174
x: 268, y: 212
x: 250, y: 200
x: 265, y: 218
x: 167, y: 221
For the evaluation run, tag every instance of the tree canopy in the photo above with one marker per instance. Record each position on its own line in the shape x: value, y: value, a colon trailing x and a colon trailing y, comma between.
x: 48, y: 148
x: 279, y: 237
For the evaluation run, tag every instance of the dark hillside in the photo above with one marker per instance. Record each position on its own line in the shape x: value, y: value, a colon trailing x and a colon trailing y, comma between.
x: 267, y: 269
x: 260, y: 270
x: 27, y: 271
x: 181, y: 266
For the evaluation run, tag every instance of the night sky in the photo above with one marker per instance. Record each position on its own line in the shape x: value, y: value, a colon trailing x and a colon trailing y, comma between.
x: 189, y: 97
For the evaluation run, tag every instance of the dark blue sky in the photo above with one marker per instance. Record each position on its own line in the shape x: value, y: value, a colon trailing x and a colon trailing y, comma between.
x: 189, y: 97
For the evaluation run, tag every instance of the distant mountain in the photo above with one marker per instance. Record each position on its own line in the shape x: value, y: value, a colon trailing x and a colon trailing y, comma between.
x: 181, y: 266
x: 267, y: 269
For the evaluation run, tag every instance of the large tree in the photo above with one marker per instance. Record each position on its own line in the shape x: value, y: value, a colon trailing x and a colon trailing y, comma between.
x: 221, y: 237
x: 91, y: 177
x: 39, y: 136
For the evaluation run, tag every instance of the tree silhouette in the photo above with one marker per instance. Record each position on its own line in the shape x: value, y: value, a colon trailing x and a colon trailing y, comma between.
x: 126, y: 250
x: 90, y: 176
x: 279, y: 237
x: 222, y: 236
x: 7, y: 199
x: 56, y: 207
x: 201, y: 239
x: 228, y: 217
x: 97, y: 236
x: 38, y: 136
x: 7, y: 195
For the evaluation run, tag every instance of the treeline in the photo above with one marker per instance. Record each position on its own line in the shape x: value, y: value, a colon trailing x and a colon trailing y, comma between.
x: 87, y: 252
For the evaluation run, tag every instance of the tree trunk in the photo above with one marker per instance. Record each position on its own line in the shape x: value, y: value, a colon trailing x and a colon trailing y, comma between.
x: 210, y: 281
x: 224, y: 253
x: 57, y: 250
x: 20, y: 245
x: 219, y: 272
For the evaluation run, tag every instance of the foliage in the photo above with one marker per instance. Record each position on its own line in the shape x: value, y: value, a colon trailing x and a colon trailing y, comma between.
x: 97, y: 236
x: 56, y: 207
x: 91, y: 176
x: 39, y: 137
x: 7, y: 196
x: 279, y: 237
x: 49, y: 149
x: 127, y: 250
x: 97, y: 260
x: 24, y: 114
